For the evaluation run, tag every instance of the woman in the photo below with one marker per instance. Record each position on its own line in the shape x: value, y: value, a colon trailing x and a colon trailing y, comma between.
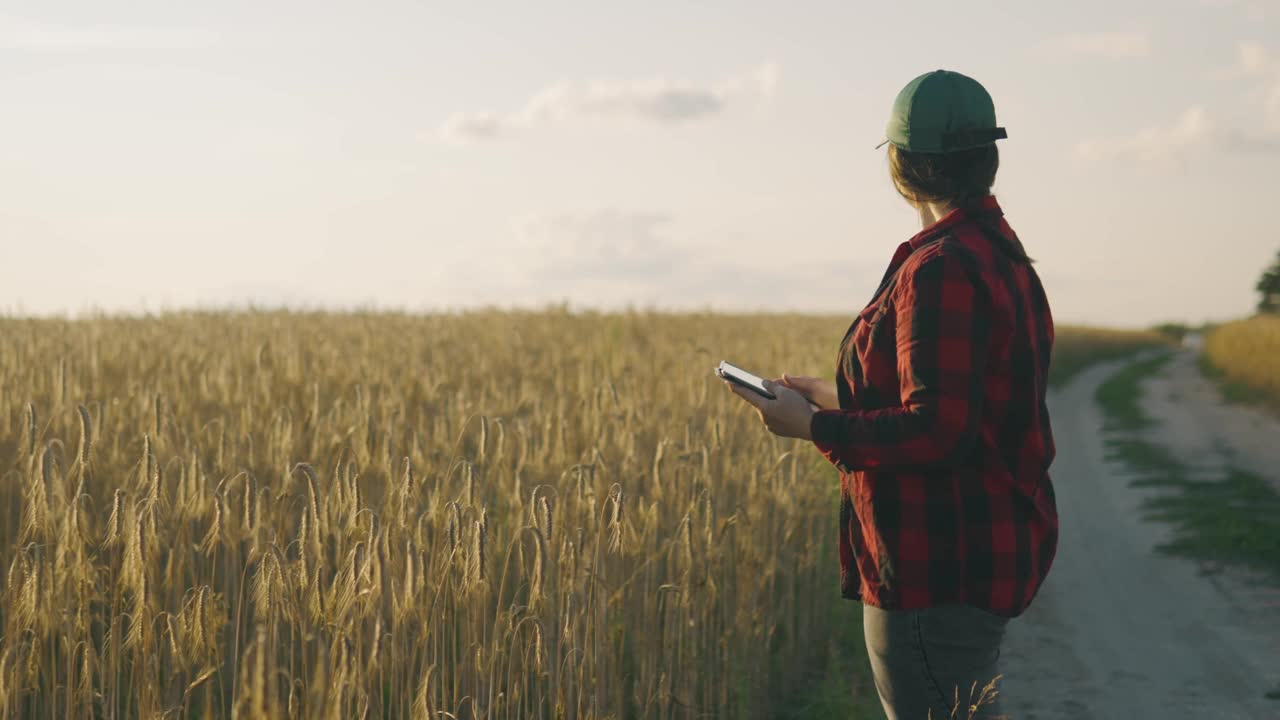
x: 937, y: 419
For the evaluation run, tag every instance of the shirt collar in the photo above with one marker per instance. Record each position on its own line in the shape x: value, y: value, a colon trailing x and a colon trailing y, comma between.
x: 953, y: 218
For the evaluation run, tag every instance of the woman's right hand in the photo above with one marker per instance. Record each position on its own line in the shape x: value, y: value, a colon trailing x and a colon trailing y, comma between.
x: 818, y: 391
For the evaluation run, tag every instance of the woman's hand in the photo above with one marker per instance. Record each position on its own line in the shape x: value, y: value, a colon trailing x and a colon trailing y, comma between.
x: 818, y: 391
x: 786, y: 416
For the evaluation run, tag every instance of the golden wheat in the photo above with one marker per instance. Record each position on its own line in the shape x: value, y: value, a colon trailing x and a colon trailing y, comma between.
x: 528, y: 515
x: 1248, y: 353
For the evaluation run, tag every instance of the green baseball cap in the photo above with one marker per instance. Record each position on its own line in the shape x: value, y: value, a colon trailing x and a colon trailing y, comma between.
x: 943, y: 111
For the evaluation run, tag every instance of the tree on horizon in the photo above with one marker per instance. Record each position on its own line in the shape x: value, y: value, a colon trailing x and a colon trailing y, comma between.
x: 1269, y: 287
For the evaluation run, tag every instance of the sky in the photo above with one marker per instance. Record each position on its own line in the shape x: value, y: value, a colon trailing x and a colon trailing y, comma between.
x: 429, y: 156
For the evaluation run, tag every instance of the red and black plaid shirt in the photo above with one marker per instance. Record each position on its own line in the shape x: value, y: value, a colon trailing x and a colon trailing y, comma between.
x: 942, y: 437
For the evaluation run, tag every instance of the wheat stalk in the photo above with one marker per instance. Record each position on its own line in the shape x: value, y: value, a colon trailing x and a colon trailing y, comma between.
x: 614, y: 539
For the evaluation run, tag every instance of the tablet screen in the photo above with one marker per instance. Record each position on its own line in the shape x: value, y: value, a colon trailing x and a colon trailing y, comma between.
x: 744, y: 378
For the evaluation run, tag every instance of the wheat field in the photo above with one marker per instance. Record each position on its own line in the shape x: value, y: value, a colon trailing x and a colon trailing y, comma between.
x: 482, y: 515
x: 1077, y: 346
x: 1248, y: 352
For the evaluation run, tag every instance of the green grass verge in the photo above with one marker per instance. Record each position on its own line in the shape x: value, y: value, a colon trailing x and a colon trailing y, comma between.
x: 845, y: 688
x: 1232, y: 520
x: 1234, y: 391
x: 1119, y: 395
x: 1076, y: 348
x: 838, y: 684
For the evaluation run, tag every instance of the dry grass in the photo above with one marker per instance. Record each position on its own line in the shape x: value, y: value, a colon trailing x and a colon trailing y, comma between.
x: 1076, y: 347
x: 497, y: 515
x: 1247, y: 352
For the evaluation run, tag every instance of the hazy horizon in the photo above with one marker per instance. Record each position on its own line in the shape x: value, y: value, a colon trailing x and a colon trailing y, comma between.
x: 717, y: 156
x: 144, y: 310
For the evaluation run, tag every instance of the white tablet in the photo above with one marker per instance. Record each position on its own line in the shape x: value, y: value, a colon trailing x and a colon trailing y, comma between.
x: 738, y: 376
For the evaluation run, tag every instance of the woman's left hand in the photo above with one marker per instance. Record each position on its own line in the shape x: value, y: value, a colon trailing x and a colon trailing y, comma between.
x: 786, y: 416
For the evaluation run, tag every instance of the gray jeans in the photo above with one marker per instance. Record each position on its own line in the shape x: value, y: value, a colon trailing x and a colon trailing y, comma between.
x: 923, y: 660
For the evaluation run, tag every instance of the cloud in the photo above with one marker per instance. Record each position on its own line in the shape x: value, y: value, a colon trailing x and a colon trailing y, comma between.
x: 657, y: 101
x: 615, y: 252
x: 1271, y: 106
x: 1255, y: 10
x: 608, y: 241
x: 23, y: 34
x: 1111, y: 45
x: 1164, y: 145
x: 612, y: 258
x: 465, y: 127
x: 1256, y: 61
x: 1159, y: 144
x: 1196, y: 130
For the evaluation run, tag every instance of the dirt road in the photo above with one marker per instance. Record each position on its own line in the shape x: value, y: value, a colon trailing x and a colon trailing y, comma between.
x: 1205, y: 432
x: 1118, y: 631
